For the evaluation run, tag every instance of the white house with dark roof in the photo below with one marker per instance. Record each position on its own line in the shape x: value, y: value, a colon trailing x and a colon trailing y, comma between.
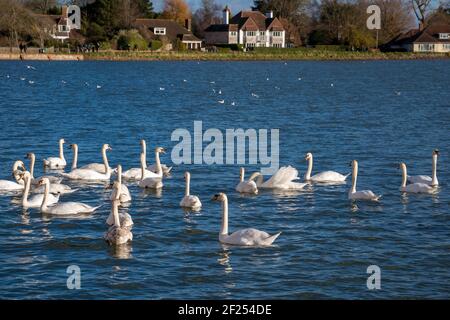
x: 247, y: 28
x: 434, y: 38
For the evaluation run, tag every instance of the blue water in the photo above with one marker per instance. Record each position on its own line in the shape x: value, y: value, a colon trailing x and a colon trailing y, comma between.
x: 379, y: 113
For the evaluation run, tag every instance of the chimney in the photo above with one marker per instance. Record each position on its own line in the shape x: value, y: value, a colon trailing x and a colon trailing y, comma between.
x: 269, y: 14
x: 64, y: 12
x: 188, y: 24
x: 226, y: 15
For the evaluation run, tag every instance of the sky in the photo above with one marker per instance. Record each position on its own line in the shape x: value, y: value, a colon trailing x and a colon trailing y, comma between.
x: 235, y: 5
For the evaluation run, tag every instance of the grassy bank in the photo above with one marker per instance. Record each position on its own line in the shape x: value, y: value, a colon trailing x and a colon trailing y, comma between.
x: 306, y: 54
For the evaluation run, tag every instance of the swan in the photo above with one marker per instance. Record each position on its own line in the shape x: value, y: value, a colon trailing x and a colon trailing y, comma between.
x: 62, y: 208
x: 244, y: 237
x: 248, y: 186
x: 18, y: 168
x: 360, y: 195
x: 154, y: 180
x: 282, y: 179
x: 125, y: 218
x: 85, y: 174
x: 31, y: 156
x: 117, y: 234
x: 7, y: 185
x: 57, y: 162
x: 432, y: 181
x: 124, y: 194
x: 100, y: 167
x: 417, y: 187
x: 325, y: 176
x: 136, y: 173
x: 190, y: 201
x: 36, y: 200
x: 74, y: 147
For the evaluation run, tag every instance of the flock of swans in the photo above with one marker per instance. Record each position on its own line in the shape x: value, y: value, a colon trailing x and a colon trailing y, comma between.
x: 47, y: 190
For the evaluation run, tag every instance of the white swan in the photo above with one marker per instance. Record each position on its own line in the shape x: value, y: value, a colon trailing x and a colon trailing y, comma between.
x: 190, y: 201
x: 36, y: 200
x: 136, y: 173
x: 62, y: 208
x: 117, y: 234
x: 74, y: 147
x: 7, y: 185
x: 124, y: 194
x: 31, y: 156
x: 282, y: 179
x: 57, y: 162
x: 322, y: 177
x: 360, y: 195
x: 248, y: 186
x: 84, y: 174
x: 124, y: 218
x: 417, y: 187
x: 100, y: 167
x: 244, y: 237
x: 154, y: 180
x: 18, y: 169
x: 432, y: 181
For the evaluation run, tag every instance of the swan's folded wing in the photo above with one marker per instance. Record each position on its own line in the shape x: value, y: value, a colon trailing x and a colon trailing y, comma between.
x: 283, y: 176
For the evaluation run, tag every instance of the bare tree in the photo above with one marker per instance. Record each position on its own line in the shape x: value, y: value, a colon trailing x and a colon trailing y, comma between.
x: 15, y: 20
x: 421, y: 8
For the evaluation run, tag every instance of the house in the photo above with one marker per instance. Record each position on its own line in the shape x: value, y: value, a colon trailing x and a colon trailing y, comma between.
x: 434, y: 38
x: 247, y: 28
x: 58, y: 26
x: 169, y: 32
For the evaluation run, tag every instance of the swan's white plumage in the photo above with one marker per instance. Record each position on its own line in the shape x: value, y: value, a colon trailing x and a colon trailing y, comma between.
x: 246, y: 186
x: 417, y: 187
x: 363, y: 194
x: 190, y: 201
x: 282, y: 179
x: 244, y: 237
x: 57, y: 162
x: 322, y: 177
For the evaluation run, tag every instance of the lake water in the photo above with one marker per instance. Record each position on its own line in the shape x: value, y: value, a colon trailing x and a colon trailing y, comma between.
x: 379, y: 113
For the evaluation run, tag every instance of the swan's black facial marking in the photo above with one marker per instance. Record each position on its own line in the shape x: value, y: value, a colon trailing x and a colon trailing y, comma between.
x: 436, y: 151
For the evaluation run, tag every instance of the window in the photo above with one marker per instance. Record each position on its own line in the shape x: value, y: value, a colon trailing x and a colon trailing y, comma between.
x: 159, y: 31
x: 426, y: 47
x: 251, y: 33
x: 250, y: 45
x: 233, y: 33
x: 444, y: 35
x: 277, y: 45
x: 262, y: 33
x: 62, y: 28
x: 446, y: 46
x: 277, y: 33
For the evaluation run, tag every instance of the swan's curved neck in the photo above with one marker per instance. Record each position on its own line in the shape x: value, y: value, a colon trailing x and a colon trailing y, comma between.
x: 115, y: 212
x: 309, y: 171
x: 75, y: 158
x: 158, y: 163
x: 46, y: 194
x: 188, y: 185
x: 119, y: 175
x: 241, y: 175
x: 354, y: 177
x: 26, y: 191
x: 142, y: 167
x: 224, y: 228
x: 16, y: 175
x: 434, y: 180
x: 257, y: 177
x: 61, y: 150
x: 105, y: 160
x: 32, y: 162
x: 144, y: 151
x: 404, y: 176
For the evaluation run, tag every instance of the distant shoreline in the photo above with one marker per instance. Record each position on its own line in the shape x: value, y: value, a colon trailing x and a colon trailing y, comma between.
x: 307, y: 55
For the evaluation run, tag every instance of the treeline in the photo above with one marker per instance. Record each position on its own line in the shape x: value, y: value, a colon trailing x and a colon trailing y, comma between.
x: 307, y: 22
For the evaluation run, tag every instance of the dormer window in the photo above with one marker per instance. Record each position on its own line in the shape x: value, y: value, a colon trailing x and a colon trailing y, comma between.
x: 63, y: 28
x: 444, y: 36
x: 159, y: 31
